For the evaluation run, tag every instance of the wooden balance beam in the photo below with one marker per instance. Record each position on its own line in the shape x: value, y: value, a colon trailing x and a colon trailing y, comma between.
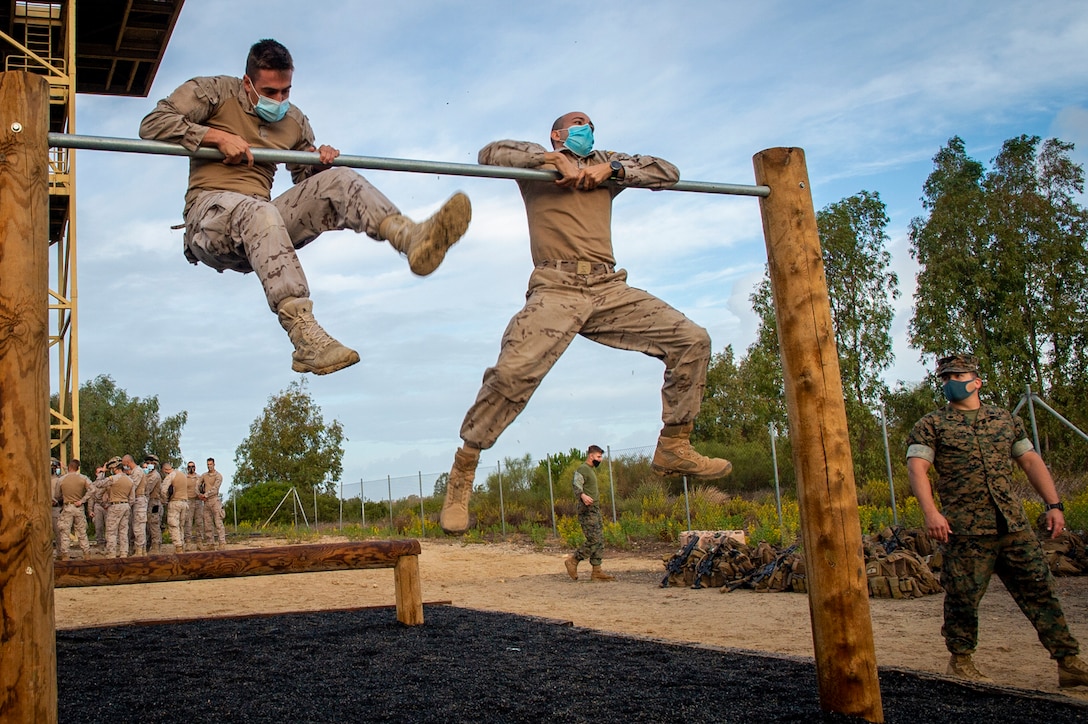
x: 400, y: 555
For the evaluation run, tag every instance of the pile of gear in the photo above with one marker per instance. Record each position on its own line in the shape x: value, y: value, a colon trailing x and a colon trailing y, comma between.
x: 899, y: 563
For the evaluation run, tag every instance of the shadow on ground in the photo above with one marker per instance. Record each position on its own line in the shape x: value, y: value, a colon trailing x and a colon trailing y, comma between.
x: 467, y: 666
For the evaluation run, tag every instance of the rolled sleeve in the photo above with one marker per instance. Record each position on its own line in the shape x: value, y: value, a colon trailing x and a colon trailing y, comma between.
x: 920, y: 451
x: 1020, y: 447
x: 512, y: 154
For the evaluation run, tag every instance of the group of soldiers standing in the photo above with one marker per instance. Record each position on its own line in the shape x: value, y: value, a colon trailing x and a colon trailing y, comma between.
x: 129, y: 504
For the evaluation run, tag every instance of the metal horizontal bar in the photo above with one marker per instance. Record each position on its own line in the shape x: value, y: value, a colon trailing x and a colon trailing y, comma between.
x: 268, y: 155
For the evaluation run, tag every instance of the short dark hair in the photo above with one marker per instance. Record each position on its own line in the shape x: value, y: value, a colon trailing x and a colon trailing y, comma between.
x: 594, y: 448
x: 268, y: 54
x: 211, y: 460
x: 73, y: 464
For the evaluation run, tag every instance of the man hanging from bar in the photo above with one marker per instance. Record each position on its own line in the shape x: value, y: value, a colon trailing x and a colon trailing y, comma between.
x: 231, y: 221
x: 576, y: 289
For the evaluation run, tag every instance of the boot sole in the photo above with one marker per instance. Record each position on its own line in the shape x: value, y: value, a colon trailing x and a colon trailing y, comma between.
x: 329, y: 369
x: 450, y: 224
x: 663, y: 471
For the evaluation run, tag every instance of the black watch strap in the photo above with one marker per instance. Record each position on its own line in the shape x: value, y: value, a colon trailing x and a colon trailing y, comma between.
x: 1055, y: 506
x: 617, y: 167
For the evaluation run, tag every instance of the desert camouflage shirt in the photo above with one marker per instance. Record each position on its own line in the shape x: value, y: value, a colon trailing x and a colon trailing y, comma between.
x: 974, y: 462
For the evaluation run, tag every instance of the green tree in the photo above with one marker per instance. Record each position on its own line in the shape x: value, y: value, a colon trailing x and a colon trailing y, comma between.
x: 113, y: 423
x: 291, y: 442
x: 1003, y: 258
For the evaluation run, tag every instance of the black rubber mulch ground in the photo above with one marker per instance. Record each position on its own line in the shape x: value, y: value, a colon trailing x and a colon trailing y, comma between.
x: 467, y: 666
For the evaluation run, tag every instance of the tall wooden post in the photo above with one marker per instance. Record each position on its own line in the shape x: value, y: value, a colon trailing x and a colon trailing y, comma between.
x: 28, y: 654
x: 830, y: 527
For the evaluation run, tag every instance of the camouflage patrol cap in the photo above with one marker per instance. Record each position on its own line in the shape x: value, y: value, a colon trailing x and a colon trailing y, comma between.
x: 54, y: 461
x: 151, y: 459
x: 956, y: 363
x: 113, y: 462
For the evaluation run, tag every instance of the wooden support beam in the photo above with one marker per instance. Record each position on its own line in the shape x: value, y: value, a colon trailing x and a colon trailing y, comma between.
x: 401, y: 555
x: 838, y: 593
x: 28, y: 651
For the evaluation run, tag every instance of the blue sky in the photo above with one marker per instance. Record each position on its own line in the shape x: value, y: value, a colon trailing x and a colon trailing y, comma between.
x: 870, y: 90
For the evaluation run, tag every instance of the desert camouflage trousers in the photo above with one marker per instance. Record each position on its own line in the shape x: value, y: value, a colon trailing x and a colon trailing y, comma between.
x: 194, y: 520
x: 589, y: 517
x: 154, y: 523
x: 1018, y: 560
x: 228, y: 230
x: 602, y: 308
x: 139, y: 522
x: 176, y: 515
x: 213, y: 519
x: 117, y: 528
x: 72, y: 518
x: 99, y: 520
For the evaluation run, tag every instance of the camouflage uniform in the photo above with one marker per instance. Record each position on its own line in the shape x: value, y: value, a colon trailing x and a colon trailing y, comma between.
x: 589, y: 516
x: 194, y: 514
x: 121, y: 493
x: 139, y: 510
x: 176, y: 492
x: 154, y: 509
x: 989, y: 531
x: 213, y: 507
x: 75, y: 491
x: 576, y: 289
x: 231, y: 222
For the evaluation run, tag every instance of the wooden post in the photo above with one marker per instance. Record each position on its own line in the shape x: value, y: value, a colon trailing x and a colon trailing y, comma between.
x: 28, y: 652
x: 830, y: 527
x: 408, y: 592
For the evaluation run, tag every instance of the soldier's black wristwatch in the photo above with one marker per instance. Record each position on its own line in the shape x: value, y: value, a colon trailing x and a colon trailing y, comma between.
x: 1055, y: 506
x: 617, y: 167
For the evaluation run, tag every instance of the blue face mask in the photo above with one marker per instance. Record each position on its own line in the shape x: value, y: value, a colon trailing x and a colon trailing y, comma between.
x: 579, y: 140
x: 956, y: 391
x: 269, y: 109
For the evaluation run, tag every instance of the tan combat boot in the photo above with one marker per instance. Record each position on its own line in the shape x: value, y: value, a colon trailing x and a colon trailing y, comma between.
x: 675, y: 455
x: 600, y: 575
x: 1072, y: 672
x: 962, y: 667
x: 140, y: 551
x: 454, y: 515
x: 179, y: 549
x: 425, y: 244
x: 221, y: 547
x: 315, y: 350
x: 571, y: 564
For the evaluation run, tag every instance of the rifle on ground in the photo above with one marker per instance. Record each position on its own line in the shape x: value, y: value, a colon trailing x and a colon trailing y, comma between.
x: 765, y: 571
x: 676, y: 564
x: 706, y: 565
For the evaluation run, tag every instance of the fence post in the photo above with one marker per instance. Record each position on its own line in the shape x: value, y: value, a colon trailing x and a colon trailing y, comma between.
x: 611, y: 482
x: 687, y: 502
x: 551, y: 496
x: 842, y: 629
x: 777, y: 492
x: 888, y: 461
x: 389, y: 484
x: 362, y: 502
x: 422, y: 523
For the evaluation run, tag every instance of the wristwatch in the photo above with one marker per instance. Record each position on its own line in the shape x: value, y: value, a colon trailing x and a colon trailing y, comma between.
x: 1055, y: 506
x: 617, y: 168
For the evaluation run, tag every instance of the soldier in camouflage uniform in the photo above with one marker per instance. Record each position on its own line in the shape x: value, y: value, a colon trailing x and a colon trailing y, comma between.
x: 155, y: 506
x: 587, y: 498
x: 231, y: 221
x: 138, y: 514
x: 983, y: 526
x: 577, y: 290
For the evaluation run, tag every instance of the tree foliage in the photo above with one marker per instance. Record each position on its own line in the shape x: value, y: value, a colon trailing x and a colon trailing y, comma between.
x: 113, y: 423
x: 291, y: 442
x: 1003, y: 265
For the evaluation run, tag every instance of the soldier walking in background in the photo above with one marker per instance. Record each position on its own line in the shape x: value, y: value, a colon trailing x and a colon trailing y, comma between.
x: 154, y: 502
x: 587, y: 498
x: 75, y: 492
x: 213, y: 507
x: 121, y: 494
x: 983, y: 527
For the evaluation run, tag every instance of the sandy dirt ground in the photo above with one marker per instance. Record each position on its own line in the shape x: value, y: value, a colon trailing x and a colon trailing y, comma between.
x: 528, y: 581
